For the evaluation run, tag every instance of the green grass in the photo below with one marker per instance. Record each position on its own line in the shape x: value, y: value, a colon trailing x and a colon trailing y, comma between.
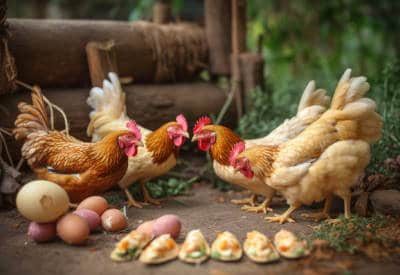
x: 349, y: 235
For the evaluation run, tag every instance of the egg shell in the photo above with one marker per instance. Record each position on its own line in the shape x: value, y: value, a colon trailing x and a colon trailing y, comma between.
x: 97, y: 204
x: 91, y: 217
x: 73, y: 229
x: 42, y: 232
x: 146, y: 228
x: 42, y: 201
x: 113, y: 220
x: 167, y: 224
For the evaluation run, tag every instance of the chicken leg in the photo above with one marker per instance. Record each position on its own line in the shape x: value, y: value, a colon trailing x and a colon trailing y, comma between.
x: 131, y: 201
x: 263, y: 207
x: 324, y: 214
x: 285, y: 216
x: 146, y: 195
x: 250, y: 200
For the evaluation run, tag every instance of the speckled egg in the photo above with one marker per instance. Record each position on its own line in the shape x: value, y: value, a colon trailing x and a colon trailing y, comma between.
x: 113, y: 220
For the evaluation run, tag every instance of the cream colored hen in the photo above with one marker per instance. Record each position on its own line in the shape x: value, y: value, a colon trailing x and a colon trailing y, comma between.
x: 325, y: 159
x: 219, y: 141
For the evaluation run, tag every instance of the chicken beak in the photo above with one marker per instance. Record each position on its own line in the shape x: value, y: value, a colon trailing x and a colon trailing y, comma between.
x: 195, y: 138
x: 186, y: 134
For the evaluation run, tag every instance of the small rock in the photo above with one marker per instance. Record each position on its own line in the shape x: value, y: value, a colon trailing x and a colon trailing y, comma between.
x: 361, y: 206
x: 386, y: 202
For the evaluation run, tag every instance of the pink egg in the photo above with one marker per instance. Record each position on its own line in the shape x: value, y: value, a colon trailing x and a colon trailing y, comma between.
x: 92, y: 218
x: 146, y: 227
x: 167, y: 224
x: 42, y: 232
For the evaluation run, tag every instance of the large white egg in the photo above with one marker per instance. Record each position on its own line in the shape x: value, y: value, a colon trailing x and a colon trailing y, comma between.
x: 42, y: 201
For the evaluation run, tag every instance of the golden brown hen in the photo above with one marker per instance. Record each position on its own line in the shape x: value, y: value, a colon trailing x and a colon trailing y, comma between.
x: 81, y: 168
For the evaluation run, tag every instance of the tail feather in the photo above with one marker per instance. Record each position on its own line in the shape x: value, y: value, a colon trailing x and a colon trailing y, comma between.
x: 312, y: 97
x: 349, y: 100
x: 32, y: 118
x: 108, y: 105
x: 349, y: 90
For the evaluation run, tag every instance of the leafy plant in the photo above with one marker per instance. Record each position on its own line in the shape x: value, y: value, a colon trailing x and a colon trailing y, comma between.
x: 349, y: 235
x: 386, y: 92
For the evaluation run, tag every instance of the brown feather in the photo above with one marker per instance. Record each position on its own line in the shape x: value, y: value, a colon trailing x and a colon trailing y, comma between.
x: 261, y: 158
x: 160, y: 145
x: 225, y: 140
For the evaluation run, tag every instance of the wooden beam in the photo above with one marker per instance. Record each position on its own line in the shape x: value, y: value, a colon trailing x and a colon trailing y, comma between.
x: 101, y: 59
x: 218, y: 30
x: 52, y: 52
x: 149, y: 105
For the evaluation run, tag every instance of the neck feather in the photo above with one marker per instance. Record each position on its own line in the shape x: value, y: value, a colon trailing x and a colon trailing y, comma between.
x: 107, y: 150
x: 225, y: 140
x: 262, y: 158
x: 160, y: 145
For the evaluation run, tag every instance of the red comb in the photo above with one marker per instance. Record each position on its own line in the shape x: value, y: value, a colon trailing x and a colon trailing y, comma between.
x: 182, y: 121
x: 205, y: 120
x: 236, y: 150
x: 132, y: 126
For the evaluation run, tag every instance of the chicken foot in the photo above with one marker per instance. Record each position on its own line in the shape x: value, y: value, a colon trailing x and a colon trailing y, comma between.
x: 131, y: 201
x: 251, y: 201
x: 261, y: 208
x: 322, y: 215
x: 146, y: 195
x: 347, y: 212
x: 285, y: 216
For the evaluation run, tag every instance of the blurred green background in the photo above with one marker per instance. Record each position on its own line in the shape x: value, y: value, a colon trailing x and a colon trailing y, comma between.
x: 303, y: 40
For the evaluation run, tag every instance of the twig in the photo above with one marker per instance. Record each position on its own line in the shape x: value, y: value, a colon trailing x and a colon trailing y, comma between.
x: 4, y: 144
x: 227, y: 102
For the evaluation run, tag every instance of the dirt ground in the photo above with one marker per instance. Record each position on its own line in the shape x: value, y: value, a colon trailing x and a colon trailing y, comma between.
x: 206, y: 209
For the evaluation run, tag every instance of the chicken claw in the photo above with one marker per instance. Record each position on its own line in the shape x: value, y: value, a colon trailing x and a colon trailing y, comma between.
x: 322, y: 215
x: 131, y: 201
x: 281, y: 219
x: 261, y: 208
x: 285, y: 216
x: 250, y: 200
x: 146, y: 196
x: 319, y: 216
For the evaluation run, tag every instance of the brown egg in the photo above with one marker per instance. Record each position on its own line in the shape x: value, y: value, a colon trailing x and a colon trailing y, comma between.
x: 113, y: 220
x: 73, y: 229
x: 95, y: 203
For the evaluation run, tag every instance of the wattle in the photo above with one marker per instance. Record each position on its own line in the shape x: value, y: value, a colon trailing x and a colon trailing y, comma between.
x: 131, y: 151
x: 179, y: 141
x: 204, y: 145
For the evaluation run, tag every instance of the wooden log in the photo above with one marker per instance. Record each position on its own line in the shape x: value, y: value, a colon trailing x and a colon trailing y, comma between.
x: 218, y: 30
x: 149, y: 105
x: 162, y: 11
x: 252, y: 71
x: 101, y: 59
x: 52, y: 52
x: 8, y: 70
x: 238, y: 45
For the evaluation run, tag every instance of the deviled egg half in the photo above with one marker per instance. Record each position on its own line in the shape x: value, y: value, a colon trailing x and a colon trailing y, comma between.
x: 259, y: 248
x: 226, y: 247
x: 195, y: 248
x: 130, y: 246
x: 289, y: 246
x: 160, y: 250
